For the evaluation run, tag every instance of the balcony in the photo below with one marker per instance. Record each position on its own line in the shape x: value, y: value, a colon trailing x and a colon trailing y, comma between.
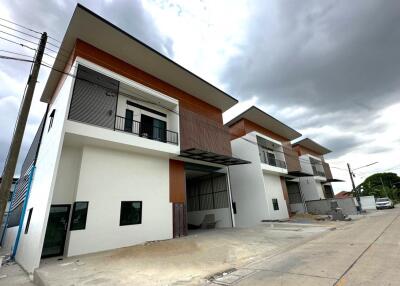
x: 152, y: 132
x: 269, y: 159
x: 317, y: 172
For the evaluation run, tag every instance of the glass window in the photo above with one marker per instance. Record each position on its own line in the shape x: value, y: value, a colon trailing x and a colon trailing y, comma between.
x: 79, y: 215
x: 28, y: 221
x: 275, y: 204
x: 52, y: 114
x: 131, y: 213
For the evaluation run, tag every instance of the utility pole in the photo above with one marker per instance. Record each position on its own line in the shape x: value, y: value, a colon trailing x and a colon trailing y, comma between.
x: 383, y: 187
x: 354, y: 187
x: 9, y: 168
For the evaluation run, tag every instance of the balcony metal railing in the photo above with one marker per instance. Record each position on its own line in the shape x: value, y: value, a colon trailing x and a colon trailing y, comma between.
x: 145, y: 131
x: 272, y: 161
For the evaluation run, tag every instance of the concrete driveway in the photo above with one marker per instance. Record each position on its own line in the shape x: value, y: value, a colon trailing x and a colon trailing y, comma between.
x: 181, y: 261
x: 362, y: 252
x: 366, y: 252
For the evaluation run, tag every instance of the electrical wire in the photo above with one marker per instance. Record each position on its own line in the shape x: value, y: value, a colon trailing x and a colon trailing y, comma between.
x: 13, y: 58
x: 62, y: 52
x: 19, y: 44
x: 18, y: 37
x: 19, y: 31
x: 19, y: 25
x: 14, y: 53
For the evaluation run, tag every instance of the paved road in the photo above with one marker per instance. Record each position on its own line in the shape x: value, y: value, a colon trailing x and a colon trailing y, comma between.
x: 364, y: 252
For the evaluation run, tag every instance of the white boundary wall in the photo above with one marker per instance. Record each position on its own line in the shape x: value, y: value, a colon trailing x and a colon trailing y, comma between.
x: 368, y: 203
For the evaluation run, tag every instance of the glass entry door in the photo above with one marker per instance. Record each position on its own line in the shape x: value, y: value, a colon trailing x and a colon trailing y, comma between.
x: 153, y: 128
x: 56, y: 231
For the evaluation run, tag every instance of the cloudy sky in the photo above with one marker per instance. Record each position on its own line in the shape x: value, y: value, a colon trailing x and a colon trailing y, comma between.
x: 330, y: 69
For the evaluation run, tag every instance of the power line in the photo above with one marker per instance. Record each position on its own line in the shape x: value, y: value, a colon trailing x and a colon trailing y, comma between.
x: 61, y: 52
x: 19, y: 25
x: 14, y: 53
x: 19, y: 31
x: 17, y: 59
x: 19, y: 44
x: 18, y: 37
x: 54, y: 39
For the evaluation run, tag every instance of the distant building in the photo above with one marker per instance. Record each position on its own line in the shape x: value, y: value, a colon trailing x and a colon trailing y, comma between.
x: 343, y: 195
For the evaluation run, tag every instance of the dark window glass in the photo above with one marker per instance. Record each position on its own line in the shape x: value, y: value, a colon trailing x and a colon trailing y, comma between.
x: 131, y: 213
x: 28, y: 220
x: 128, y: 120
x: 276, y: 205
x: 79, y: 215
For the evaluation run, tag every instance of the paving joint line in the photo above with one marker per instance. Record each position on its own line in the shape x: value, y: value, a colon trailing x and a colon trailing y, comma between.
x: 293, y: 273
x: 365, y: 250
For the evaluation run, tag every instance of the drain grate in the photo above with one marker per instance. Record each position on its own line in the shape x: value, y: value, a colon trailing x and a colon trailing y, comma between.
x: 230, y: 276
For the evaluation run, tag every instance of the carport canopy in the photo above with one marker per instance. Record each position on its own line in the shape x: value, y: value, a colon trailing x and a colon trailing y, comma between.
x: 210, y: 157
x: 333, y: 180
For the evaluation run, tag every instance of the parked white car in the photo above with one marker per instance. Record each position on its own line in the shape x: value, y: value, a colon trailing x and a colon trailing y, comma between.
x: 384, y: 203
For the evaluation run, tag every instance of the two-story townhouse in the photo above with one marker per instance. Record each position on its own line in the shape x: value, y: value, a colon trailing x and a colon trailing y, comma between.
x: 315, y: 184
x: 259, y: 189
x: 132, y: 149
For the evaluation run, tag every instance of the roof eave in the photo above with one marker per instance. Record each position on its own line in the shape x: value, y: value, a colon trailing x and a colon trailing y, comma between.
x: 291, y: 133
x: 204, y: 90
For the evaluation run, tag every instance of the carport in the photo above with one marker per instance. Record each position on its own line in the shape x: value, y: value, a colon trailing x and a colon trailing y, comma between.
x: 208, y: 197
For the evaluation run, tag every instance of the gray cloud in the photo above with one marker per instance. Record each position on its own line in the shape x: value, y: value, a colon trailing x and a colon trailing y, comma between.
x: 339, y: 59
x: 53, y: 17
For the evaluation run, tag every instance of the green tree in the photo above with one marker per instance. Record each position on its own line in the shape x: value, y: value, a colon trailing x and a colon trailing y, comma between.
x: 382, y: 185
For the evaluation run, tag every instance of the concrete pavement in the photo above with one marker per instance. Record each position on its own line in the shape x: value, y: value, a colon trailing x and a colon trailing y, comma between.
x: 365, y: 252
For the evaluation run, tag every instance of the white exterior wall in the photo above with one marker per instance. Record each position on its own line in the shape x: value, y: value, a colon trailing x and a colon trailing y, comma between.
x: 247, y: 185
x: 108, y: 177
x: 222, y: 216
x: 30, y: 244
x: 67, y: 176
x: 273, y: 190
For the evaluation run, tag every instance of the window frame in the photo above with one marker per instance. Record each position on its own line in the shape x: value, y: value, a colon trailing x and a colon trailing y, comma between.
x: 140, y: 213
x: 72, y: 225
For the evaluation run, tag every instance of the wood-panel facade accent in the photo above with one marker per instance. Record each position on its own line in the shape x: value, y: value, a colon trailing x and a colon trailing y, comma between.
x: 291, y: 158
x: 327, y: 170
x: 201, y: 124
x: 203, y: 133
x: 244, y: 126
x: 177, y: 183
